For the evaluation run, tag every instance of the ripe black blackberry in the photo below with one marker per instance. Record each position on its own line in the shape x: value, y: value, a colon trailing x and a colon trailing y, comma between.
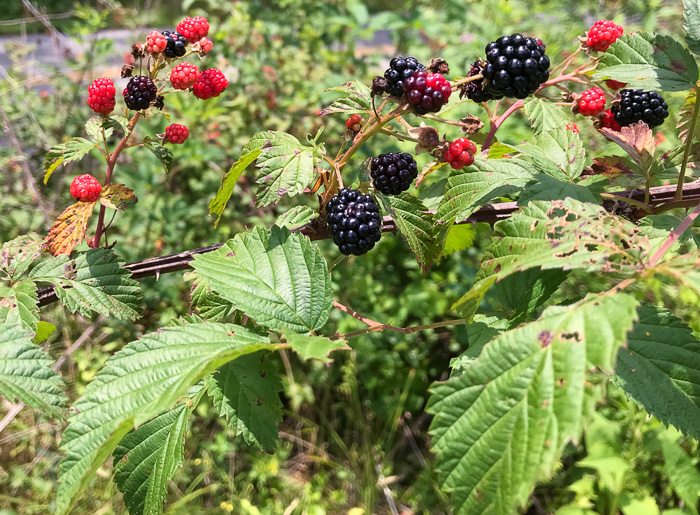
x: 636, y: 105
x: 399, y: 70
x: 176, y: 44
x: 354, y: 221
x: 393, y: 173
x: 139, y: 93
x: 515, y: 67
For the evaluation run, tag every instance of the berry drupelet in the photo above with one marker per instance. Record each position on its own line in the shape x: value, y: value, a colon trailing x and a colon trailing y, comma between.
x: 637, y: 105
x: 354, y: 221
x: 399, y: 70
x: 393, y: 173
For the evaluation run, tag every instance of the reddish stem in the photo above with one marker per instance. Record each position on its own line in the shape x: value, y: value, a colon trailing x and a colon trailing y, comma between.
x: 673, y: 237
x: 495, y: 125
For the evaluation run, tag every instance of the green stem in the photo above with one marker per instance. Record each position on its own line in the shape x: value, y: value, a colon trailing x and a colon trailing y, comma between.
x: 688, y: 145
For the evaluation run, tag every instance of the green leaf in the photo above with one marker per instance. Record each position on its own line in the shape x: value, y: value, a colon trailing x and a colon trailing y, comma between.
x: 72, y: 150
x: 314, y: 347
x: 557, y: 152
x: 544, y: 116
x: 279, y: 278
x: 25, y: 374
x: 416, y: 225
x: 668, y: 166
x: 43, y: 331
x: 357, y: 99
x: 136, y: 384
x: 470, y: 188
x: 164, y: 155
x: 93, y: 281
x: 286, y: 167
x: 685, y: 120
x: 459, y: 237
x: 16, y: 256
x: 649, y: 61
x: 545, y: 187
x: 480, y: 331
x: 681, y: 469
x: 93, y: 126
x: 246, y: 393
x: 117, y: 196
x: 22, y: 302
x: 208, y: 304
x: 295, y: 217
x: 147, y: 457
x: 658, y: 369
x: 562, y: 235
x: 691, y: 24
x: 503, y: 424
x: 251, y: 151
x: 658, y: 228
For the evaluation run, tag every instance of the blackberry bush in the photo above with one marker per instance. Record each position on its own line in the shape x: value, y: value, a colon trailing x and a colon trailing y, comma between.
x: 354, y: 221
x: 393, y: 173
x: 637, y: 105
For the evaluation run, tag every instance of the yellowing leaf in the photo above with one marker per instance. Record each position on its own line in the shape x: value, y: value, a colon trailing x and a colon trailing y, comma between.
x: 637, y: 140
x: 69, y: 228
x: 117, y: 196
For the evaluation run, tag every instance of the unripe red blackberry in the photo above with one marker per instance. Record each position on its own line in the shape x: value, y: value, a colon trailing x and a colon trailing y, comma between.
x: 603, y: 33
x: 205, y: 45
x: 85, y: 188
x: 608, y: 121
x: 399, y: 70
x: 427, y: 92
x: 393, y: 173
x: 176, y: 44
x: 460, y: 153
x: 139, y: 93
x: 210, y: 84
x: 156, y: 42
x: 184, y: 75
x: 636, y: 105
x: 194, y: 29
x: 355, y: 119
x: 354, y: 221
x: 591, y: 102
x: 101, y: 95
x: 176, y: 133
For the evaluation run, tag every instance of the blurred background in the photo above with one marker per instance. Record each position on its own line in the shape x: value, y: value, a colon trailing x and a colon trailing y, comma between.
x: 354, y: 434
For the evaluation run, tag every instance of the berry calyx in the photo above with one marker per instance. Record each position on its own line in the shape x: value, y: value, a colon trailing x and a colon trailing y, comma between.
x: 393, y: 173
x: 353, y: 120
x: 156, y: 42
x: 399, y: 70
x: 354, y: 221
x: 591, y: 102
x: 572, y: 127
x: 603, y: 33
x: 615, y: 84
x: 85, y: 188
x: 516, y: 67
x: 460, y: 153
x: 427, y: 92
x: 636, y: 105
x: 184, y: 75
x: 176, y: 44
x: 194, y: 29
x: 176, y: 133
x: 101, y: 95
x: 608, y: 121
x: 210, y: 84
x: 205, y: 45
x: 139, y: 93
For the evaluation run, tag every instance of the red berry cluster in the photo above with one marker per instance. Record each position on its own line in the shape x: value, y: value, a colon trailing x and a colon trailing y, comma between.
x: 194, y: 29
x: 354, y: 121
x: 428, y: 92
x: 156, y: 42
x: 176, y: 133
x: 101, y: 95
x: 603, y: 34
x: 591, y: 102
x: 85, y: 188
x: 184, y: 75
x: 460, y: 153
x: 210, y: 84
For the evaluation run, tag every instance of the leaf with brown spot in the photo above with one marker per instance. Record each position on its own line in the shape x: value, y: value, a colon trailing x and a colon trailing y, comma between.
x: 69, y: 228
x: 637, y: 140
x: 117, y: 196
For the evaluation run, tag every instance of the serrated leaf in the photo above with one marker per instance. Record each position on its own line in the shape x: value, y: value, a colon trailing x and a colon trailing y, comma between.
x: 416, y: 225
x: 649, y: 61
x: 147, y: 458
x: 681, y: 470
x: 470, y: 188
x: 246, y: 393
x: 685, y: 117
x: 557, y: 152
x: 658, y: 369
x: 69, y: 228
x: 480, y: 331
x: 93, y: 126
x: 43, y: 331
x: 116, y: 122
x: 278, y: 278
x: 658, y: 227
x: 544, y: 116
x: 314, y: 347
x: 562, y: 235
x: 251, y: 151
x: 25, y: 374
x: 458, y: 238
x: 618, y: 171
x: 117, y: 196
x: 17, y: 255
x: 637, y: 140
x: 93, y: 281
x: 546, y: 187
x: 668, y: 166
x: 503, y: 424
x: 358, y: 99
x: 164, y: 155
x: 136, y: 384
x: 208, y: 304
x: 691, y: 24
x: 22, y: 303
x: 72, y: 150
x: 295, y: 217
x: 286, y: 168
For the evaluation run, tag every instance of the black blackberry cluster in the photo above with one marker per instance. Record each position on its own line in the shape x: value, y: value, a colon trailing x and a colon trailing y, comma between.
x: 399, y: 70
x: 636, y: 105
x: 139, y: 93
x: 393, y: 173
x: 515, y: 67
x: 354, y: 221
x: 176, y: 44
